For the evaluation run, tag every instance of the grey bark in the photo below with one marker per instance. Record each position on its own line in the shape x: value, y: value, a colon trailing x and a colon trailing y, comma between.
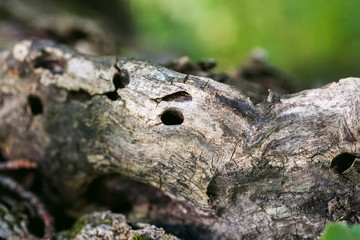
x: 239, y: 171
x: 107, y: 225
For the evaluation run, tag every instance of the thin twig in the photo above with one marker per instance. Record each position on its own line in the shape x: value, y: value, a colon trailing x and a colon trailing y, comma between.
x: 16, y: 164
x: 34, y: 200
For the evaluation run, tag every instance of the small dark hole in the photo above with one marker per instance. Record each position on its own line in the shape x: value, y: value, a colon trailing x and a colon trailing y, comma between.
x: 172, y: 117
x: 55, y: 66
x: 342, y: 162
x: 113, y: 96
x: 35, y: 103
x: 121, y: 79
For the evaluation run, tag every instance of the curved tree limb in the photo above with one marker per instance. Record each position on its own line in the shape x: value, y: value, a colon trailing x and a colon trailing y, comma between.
x: 256, y: 171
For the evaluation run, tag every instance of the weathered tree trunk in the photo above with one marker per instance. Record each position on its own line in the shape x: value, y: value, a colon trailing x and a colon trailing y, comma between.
x: 242, y: 171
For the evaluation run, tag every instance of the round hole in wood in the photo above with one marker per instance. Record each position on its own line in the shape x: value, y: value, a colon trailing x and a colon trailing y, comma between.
x: 35, y: 104
x: 172, y: 116
x: 342, y: 162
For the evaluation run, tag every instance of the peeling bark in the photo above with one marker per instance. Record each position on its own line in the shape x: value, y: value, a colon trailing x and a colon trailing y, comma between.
x: 243, y: 171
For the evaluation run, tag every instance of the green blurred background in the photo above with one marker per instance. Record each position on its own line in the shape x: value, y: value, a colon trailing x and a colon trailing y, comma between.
x: 314, y: 41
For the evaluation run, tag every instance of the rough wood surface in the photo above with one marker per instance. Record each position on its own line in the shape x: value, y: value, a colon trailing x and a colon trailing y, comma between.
x: 243, y: 171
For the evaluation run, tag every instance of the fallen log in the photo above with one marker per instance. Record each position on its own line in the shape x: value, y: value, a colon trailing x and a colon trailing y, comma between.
x: 273, y: 170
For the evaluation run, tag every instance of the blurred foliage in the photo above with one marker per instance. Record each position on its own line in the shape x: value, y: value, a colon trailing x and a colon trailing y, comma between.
x: 341, y: 231
x: 312, y: 40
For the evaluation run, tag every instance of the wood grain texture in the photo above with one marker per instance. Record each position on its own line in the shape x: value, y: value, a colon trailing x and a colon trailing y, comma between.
x: 249, y: 171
